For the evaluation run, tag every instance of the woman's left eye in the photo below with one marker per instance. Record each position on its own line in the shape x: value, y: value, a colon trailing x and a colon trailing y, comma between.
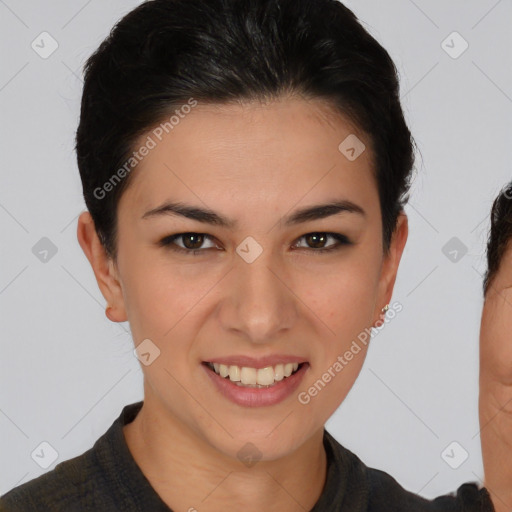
x: 319, y: 237
x: 197, y: 239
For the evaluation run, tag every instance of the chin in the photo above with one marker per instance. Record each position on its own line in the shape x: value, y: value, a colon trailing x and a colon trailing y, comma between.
x: 272, y: 440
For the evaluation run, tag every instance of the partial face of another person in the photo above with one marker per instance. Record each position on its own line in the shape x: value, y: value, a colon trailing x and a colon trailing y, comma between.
x: 496, y: 330
x: 248, y: 286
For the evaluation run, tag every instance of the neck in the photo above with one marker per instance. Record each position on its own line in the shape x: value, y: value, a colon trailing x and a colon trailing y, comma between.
x: 189, y: 474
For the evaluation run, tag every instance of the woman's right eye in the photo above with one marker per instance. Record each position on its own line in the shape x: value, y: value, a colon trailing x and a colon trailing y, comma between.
x: 191, y: 245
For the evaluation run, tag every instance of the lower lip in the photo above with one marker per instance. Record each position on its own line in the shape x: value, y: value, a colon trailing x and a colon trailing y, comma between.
x: 257, y: 397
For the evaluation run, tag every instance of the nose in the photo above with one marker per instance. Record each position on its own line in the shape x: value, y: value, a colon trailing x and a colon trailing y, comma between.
x: 260, y: 304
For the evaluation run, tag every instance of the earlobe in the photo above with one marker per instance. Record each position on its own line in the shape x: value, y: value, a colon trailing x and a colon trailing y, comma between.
x: 102, y: 266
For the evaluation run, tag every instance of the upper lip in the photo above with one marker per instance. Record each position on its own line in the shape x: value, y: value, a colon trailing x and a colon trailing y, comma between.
x: 256, y: 362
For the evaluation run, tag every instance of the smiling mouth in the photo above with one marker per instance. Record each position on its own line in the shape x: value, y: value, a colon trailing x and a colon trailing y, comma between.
x: 245, y: 376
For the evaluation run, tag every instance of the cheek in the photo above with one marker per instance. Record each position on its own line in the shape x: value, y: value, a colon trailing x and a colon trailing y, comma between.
x: 343, y: 303
x: 344, y: 298
x: 158, y: 294
x: 331, y: 379
x: 496, y: 330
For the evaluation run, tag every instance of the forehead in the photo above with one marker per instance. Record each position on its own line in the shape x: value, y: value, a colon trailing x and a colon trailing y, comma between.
x: 256, y: 154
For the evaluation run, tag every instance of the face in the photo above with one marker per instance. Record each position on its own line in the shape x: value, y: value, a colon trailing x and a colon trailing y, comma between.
x: 247, y: 285
x: 496, y: 326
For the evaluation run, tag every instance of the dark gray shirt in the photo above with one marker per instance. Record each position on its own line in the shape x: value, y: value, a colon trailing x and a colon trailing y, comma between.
x: 107, y: 478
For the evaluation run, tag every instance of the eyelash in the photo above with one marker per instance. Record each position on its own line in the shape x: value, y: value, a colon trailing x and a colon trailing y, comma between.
x: 168, y: 242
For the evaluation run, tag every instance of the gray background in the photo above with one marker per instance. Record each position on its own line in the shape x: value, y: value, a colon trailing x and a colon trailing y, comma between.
x: 66, y: 370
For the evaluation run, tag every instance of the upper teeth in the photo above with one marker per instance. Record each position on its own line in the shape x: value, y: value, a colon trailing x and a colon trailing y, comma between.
x: 253, y: 376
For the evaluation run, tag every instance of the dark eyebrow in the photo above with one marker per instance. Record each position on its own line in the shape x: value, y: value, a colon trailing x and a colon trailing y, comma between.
x: 207, y: 216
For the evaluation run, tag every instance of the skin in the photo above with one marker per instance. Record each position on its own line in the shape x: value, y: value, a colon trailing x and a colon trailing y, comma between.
x: 255, y: 163
x: 495, y: 399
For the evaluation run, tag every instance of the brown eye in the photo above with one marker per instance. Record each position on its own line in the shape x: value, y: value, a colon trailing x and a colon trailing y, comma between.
x: 192, y: 242
x: 316, y: 241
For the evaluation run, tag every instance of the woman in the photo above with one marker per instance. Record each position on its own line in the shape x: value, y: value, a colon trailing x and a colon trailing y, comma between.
x: 245, y: 165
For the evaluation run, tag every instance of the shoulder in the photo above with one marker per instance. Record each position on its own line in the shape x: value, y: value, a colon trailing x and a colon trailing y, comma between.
x: 382, y: 493
x: 59, y: 489
x: 386, y: 494
x: 98, y: 479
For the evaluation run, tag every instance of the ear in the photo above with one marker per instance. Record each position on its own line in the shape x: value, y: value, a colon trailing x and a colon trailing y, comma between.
x: 105, y: 270
x: 390, y: 265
